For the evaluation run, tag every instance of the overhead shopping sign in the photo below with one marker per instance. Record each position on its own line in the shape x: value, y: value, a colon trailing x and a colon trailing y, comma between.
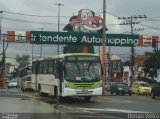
x: 77, y: 38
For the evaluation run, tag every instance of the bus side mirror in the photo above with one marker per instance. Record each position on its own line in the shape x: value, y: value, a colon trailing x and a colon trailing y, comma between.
x: 64, y: 69
x: 101, y: 70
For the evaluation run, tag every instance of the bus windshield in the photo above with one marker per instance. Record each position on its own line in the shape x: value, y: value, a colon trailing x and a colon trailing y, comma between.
x: 83, y: 71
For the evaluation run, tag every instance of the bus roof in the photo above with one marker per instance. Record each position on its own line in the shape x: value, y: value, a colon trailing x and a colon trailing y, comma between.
x: 63, y: 55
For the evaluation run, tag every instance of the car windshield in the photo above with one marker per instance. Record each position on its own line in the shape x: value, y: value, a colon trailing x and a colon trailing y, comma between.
x: 158, y: 83
x: 13, y: 81
x: 122, y: 85
x: 28, y: 79
x: 82, y: 71
x: 144, y: 85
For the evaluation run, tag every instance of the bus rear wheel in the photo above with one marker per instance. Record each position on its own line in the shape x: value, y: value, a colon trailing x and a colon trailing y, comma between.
x: 56, y: 92
x: 40, y: 91
x: 87, y: 98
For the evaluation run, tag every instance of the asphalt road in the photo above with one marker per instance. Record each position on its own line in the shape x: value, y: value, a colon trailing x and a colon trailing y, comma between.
x: 17, y: 105
x: 116, y: 106
x: 100, y: 107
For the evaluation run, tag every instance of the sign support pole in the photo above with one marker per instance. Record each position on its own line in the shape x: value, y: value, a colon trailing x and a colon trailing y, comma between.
x: 104, y: 49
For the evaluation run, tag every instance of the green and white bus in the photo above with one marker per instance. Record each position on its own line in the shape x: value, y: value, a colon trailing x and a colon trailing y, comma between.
x: 74, y: 74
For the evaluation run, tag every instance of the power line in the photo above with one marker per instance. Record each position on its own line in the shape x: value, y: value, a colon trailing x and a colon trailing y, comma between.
x: 27, y: 21
x: 150, y: 27
x: 33, y: 15
x: 152, y: 20
x: 112, y: 14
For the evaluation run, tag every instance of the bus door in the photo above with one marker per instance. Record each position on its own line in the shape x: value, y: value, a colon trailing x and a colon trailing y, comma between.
x: 36, y: 72
x: 60, y: 74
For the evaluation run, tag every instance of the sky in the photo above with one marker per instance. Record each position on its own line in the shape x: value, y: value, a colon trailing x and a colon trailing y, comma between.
x: 30, y: 15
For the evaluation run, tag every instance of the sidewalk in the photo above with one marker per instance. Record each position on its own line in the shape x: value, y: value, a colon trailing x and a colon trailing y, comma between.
x: 3, y: 89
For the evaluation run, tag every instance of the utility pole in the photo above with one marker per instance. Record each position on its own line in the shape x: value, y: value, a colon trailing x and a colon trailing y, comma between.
x: 109, y: 61
x: 137, y: 30
x: 104, y: 49
x: 131, y: 21
x: 60, y: 81
x: 59, y: 5
x: 3, y: 60
x: 1, y: 25
x: 2, y: 67
x: 32, y: 51
x: 41, y: 44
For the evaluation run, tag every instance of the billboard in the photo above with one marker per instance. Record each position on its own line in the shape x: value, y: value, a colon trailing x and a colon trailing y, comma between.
x: 81, y: 38
x: 77, y: 38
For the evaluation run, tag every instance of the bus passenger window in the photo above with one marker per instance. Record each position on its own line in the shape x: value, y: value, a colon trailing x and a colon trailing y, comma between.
x: 50, y: 67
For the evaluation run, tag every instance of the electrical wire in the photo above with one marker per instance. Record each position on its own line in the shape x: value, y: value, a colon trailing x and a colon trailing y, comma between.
x: 107, y: 13
x: 32, y: 15
x: 150, y: 26
x: 27, y: 21
x: 55, y: 24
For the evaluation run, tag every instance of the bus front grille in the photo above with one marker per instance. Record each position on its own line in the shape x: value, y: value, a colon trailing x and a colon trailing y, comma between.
x: 84, y: 92
x: 86, y: 85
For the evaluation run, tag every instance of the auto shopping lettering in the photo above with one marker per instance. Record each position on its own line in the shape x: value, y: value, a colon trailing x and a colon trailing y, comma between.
x: 40, y: 37
x: 110, y: 41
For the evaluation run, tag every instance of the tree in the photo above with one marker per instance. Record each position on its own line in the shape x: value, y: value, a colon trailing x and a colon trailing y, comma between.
x: 152, y: 63
x: 22, y: 60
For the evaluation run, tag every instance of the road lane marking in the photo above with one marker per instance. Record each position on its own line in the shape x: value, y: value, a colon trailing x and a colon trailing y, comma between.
x: 113, y: 110
x: 145, y: 98
x: 31, y: 96
x: 115, y: 100
x: 82, y: 110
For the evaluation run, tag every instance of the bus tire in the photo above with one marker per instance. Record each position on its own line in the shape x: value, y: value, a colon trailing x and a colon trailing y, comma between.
x: 139, y: 93
x: 40, y: 91
x: 87, y: 98
x: 56, y: 92
x: 153, y: 95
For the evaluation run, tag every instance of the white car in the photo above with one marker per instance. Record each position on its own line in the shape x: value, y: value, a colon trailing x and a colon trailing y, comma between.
x: 13, y: 83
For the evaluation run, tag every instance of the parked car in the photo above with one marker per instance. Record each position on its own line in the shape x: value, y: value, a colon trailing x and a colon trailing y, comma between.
x: 13, y: 83
x: 140, y: 87
x: 155, y: 90
x: 120, y: 88
x: 108, y: 85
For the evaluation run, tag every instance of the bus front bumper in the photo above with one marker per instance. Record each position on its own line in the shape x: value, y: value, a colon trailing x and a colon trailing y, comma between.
x: 89, y: 92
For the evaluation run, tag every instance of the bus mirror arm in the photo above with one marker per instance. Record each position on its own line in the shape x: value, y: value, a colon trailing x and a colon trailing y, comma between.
x: 101, y: 70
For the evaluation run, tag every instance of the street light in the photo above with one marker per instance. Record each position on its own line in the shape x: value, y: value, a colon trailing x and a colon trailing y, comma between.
x: 59, y: 5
